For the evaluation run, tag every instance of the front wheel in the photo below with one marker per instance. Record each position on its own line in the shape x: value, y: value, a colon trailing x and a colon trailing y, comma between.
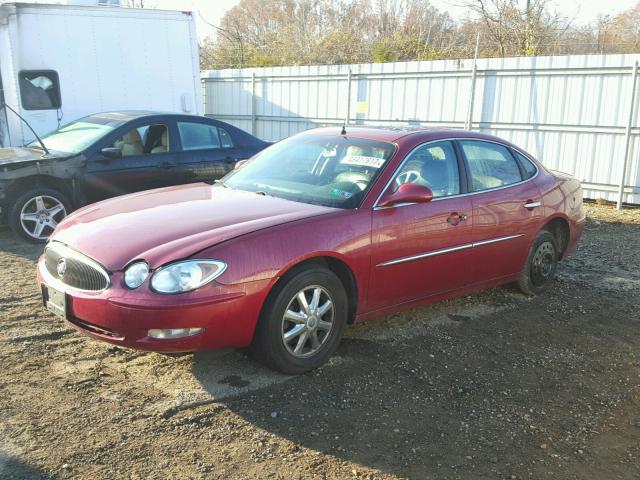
x: 302, y: 321
x: 36, y: 213
x: 541, y: 264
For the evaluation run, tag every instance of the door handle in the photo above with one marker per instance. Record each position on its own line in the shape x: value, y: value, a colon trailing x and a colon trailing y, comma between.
x: 230, y: 160
x: 166, y: 165
x: 531, y: 204
x: 455, y: 218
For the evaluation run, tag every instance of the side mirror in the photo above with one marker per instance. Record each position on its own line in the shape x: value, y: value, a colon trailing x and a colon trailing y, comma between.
x: 111, y: 152
x: 239, y: 164
x: 407, y: 193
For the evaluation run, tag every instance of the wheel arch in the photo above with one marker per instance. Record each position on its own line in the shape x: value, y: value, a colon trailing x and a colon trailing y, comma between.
x: 336, y: 265
x: 21, y: 185
x: 558, y: 226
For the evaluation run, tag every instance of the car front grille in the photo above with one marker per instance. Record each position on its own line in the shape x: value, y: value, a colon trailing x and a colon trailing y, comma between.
x: 95, y: 329
x: 75, y: 269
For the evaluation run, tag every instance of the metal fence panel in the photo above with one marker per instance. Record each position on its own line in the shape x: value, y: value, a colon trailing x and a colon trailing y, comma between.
x: 571, y: 112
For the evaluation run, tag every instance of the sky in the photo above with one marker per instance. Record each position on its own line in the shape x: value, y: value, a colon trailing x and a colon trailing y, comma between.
x: 581, y: 11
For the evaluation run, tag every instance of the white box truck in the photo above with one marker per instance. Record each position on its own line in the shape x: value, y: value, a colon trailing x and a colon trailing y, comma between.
x: 60, y: 62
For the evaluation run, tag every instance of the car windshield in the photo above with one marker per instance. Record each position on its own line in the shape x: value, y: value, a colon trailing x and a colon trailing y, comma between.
x: 323, y: 170
x: 76, y: 136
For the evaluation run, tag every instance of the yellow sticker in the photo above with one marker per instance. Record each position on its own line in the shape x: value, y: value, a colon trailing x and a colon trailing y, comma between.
x: 363, y: 107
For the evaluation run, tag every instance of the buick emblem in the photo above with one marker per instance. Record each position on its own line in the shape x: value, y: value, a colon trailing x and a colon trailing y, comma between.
x: 62, y: 267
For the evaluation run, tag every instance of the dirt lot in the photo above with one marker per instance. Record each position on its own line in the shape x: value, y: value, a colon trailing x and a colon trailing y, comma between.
x: 495, y: 385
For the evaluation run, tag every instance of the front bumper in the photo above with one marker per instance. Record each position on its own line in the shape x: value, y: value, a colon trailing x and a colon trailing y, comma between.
x: 228, y: 314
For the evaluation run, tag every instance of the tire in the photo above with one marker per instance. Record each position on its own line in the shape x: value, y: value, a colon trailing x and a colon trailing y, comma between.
x: 541, y: 265
x: 325, y: 323
x: 45, y: 207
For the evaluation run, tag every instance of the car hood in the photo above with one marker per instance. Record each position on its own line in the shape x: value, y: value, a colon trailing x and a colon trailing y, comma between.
x: 168, y: 224
x: 23, y: 154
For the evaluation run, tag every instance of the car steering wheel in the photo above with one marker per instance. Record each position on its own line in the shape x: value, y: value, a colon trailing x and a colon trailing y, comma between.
x: 410, y: 176
x: 360, y: 179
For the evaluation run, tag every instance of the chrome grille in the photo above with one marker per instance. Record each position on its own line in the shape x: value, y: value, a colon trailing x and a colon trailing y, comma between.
x: 75, y: 269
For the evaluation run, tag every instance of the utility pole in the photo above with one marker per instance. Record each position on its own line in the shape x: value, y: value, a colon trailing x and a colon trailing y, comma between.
x: 627, y: 136
x: 472, y: 91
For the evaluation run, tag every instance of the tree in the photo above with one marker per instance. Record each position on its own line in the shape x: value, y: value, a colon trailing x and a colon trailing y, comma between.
x: 512, y: 30
x: 299, y: 32
x: 621, y: 33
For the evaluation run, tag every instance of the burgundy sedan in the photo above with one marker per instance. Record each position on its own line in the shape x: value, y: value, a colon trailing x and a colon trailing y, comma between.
x: 321, y: 230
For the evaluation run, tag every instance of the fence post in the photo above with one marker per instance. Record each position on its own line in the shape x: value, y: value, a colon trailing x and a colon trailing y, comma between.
x: 253, y: 103
x: 348, y: 118
x: 472, y: 93
x: 627, y: 146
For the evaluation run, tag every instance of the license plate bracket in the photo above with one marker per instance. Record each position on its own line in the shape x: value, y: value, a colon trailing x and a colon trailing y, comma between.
x: 55, y: 301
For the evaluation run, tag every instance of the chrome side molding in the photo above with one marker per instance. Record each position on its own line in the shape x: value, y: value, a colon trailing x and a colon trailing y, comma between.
x: 496, y: 240
x: 443, y: 251
x: 433, y: 253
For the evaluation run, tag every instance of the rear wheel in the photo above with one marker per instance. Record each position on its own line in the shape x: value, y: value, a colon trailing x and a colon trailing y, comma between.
x: 541, y: 264
x: 302, y: 321
x: 36, y: 213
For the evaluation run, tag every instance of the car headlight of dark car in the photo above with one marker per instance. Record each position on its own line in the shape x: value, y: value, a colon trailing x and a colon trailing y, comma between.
x: 186, y: 276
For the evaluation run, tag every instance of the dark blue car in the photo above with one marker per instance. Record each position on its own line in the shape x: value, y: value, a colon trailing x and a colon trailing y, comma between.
x: 110, y: 154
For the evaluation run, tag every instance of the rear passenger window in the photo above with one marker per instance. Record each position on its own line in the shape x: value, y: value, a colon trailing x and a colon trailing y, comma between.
x: 491, y: 165
x: 198, y: 136
x: 225, y: 138
x: 527, y: 165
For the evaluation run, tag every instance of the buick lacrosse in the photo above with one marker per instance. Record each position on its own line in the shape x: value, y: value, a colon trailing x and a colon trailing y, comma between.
x: 316, y: 232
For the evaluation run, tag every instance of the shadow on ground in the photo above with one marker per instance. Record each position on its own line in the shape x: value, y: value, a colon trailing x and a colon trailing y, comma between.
x: 518, y: 392
x: 10, y: 244
x: 14, y: 469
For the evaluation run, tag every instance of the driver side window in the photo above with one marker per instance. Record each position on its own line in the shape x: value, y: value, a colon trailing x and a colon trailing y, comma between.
x: 144, y: 140
x: 433, y: 165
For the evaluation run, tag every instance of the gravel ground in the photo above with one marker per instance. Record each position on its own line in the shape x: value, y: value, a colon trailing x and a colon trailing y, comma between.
x: 494, y: 385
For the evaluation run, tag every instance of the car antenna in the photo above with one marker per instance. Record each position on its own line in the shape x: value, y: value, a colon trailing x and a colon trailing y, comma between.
x: 344, y: 129
x: 44, y: 147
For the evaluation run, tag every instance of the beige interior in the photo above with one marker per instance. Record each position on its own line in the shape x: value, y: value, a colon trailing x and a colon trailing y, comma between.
x: 164, y: 143
x: 130, y: 144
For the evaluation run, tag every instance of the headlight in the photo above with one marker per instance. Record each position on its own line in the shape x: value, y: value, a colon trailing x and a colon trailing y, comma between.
x: 186, y: 276
x: 136, y: 274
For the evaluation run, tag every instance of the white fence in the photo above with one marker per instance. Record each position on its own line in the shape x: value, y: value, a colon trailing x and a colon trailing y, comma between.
x: 572, y: 112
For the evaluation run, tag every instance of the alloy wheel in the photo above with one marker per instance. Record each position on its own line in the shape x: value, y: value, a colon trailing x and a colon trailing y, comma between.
x: 307, y: 321
x: 40, y: 216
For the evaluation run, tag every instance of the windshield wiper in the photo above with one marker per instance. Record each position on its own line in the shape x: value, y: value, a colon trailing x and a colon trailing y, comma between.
x: 218, y: 182
x: 44, y: 147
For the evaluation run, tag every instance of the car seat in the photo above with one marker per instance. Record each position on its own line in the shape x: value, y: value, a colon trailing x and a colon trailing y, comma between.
x: 130, y: 144
x: 354, y: 174
x: 354, y: 150
x: 163, y: 147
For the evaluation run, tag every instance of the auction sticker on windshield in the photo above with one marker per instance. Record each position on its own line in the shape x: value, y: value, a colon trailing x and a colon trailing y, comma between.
x: 362, y: 161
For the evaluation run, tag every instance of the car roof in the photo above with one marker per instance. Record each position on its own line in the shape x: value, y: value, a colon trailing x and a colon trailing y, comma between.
x: 394, y: 134
x: 127, y: 115
x: 117, y: 118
